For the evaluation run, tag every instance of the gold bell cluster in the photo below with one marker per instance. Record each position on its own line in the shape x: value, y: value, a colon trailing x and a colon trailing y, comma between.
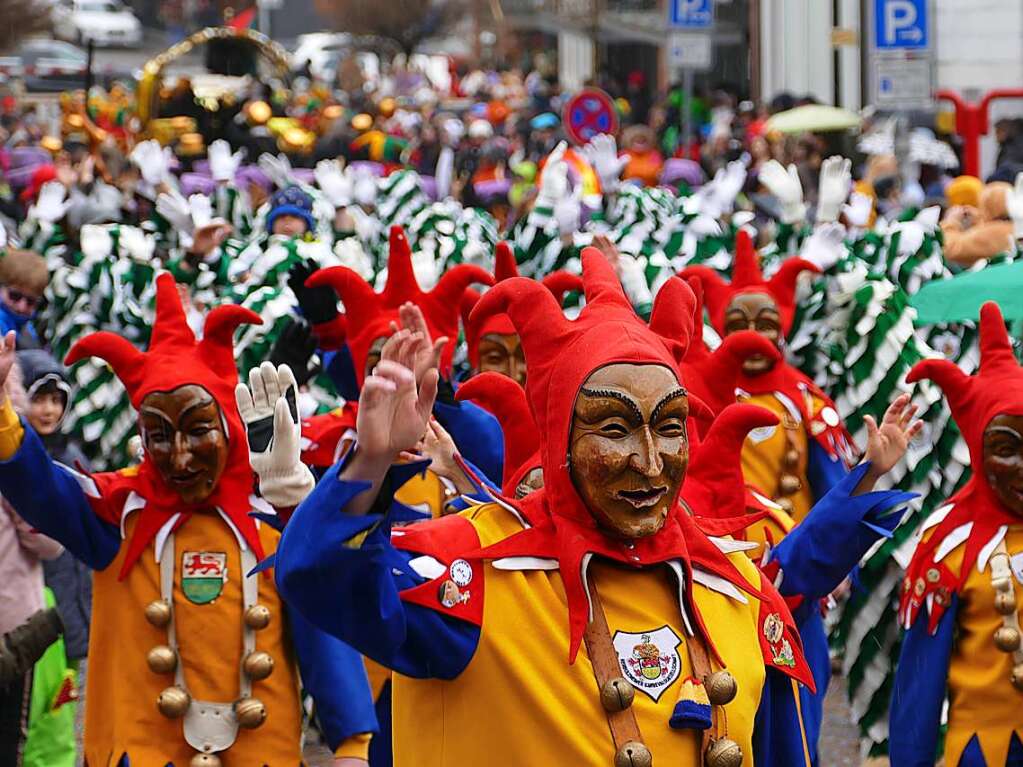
x: 789, y: 482
x: 1007, y: 636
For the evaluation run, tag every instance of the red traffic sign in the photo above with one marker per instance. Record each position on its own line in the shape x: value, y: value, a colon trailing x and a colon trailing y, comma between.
x: 587, y: 113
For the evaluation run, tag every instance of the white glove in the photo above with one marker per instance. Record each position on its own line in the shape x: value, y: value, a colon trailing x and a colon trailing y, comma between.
x: 278, y: 169
x: 335, y: 185
x: 175, y: 208
x: 928, y: 218
x: 153, y: 161
x: 1014, y: 205
x: 633, y: 279
x: 424, y: 267
x: 269, y: 408
x: 137, y: 244
x: 857, y: 211
x: 602, y: 153
x: 223, y: 164
x: 350, y: 253
x: 367, y: 227
x: 785, y: 185
x: 95, y: 241
x: 200, y: 208
x: 568, y: 209
x: 833, y: 189
x: 727, y: 184
x: 554, y: 181
x: 364, y: 186
x: 51, y: 205
x: 826, y: 246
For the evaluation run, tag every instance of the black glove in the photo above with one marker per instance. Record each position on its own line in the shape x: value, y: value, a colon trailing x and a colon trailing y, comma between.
x: 318, y: 305
x: 295, y: 347
x: 23, y: 645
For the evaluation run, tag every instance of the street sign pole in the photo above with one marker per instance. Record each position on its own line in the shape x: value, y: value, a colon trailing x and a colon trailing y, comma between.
x: 690, y: 50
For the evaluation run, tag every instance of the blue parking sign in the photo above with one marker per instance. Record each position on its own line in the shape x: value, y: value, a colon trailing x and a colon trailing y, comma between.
x: 691, y: 14
x: 900, y: 25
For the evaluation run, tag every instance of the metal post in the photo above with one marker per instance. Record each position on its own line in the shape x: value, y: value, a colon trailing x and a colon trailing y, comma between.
x: 264, y: 17
x: 687, y: 112
x: 90, y: 49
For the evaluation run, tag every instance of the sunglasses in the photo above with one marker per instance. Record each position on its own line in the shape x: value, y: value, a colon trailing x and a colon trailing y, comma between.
x: 15, y: 296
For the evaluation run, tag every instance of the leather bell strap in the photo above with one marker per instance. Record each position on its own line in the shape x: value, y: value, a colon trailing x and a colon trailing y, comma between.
x: 211, y: 727
x: 1002, y: 580
x: 623, y: 724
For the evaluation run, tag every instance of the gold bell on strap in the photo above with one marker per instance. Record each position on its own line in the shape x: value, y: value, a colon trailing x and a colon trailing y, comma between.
x: 251, y: 712
x: 257, y: 617
x: 158, y: 613
x: 205, y: 760
x: 1005, y: 603
x: 258, y: 665
x: 791, y: 458
x: 1017, y: 677
x: 1007, y: 639
x: 721, y: 687
x: 616, y: 694
x: 785, y: 504
x: 633, y: 754
x: 789, y: 484
x: 723, y: 752
x: 162, y: 659
x: 173, y: 702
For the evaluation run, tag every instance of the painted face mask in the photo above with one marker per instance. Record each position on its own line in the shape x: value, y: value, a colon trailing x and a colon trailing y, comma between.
x: 757, y: 312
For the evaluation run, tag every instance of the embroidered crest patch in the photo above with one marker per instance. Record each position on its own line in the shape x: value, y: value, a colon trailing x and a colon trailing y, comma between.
x: 203, y: 575
x: 649, y: 660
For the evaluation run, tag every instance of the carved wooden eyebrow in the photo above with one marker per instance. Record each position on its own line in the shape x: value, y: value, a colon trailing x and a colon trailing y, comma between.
x: 667, y: 399
x: 614, y: 394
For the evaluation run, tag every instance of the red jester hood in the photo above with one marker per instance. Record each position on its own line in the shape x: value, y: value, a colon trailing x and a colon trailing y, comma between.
x: 747, y: 278
x: 506, y: 401
x: 996, y: 388
x: 505, y: 267
x: 560, y: 355
x: 176, y: 359
x: 370, y: 314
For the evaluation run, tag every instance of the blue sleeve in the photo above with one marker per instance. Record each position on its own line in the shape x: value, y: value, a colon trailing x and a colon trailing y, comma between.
x: 476, y: 433
x: 342, y: 574
x: 918, y: 695
x: 822, y: 549
x: 823, y: 471
x: 778, y: 734
x: 340, y: 370
x: 50, y: 499
x: 335, y: 675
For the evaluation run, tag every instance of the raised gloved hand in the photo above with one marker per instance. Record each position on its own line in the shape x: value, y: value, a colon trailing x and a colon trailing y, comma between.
x: 335, y: 185
x: 153, y: 161
x: 568, y: 210
x: 95, y: 241
x: 294, y: 349
x: 200, y: 207
x: 1014, y: 206
x: 364, y: 186
x: 224, y: 164
x: 602, y: 153
x: 857, y: 211
x: 175, y: 209
x: 318, y: 305
x: 833, y: 189
x: 727, y: 184
x: 137, y: 244
x: 825, y: 246
x: 51, y: 205
x: 278, y: 169
x: 554, y: 180
x: 269, y: 408
x: 786, y: 186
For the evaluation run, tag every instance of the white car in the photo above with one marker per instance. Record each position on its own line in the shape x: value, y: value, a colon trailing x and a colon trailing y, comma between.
x: 105, y: 22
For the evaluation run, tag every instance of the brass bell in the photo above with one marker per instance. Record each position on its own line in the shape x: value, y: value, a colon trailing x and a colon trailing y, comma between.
x: 1005, y: 603
x: 633, y: 754
x: 258, y: 665
x: 162, y: 659
x: 1007, y: 639
x: 724, y: 752
x: 173, y: 702
x: 786, y: 505
x: 617, y: 694
x: 789, y: 484
x: 721, y: 687
x: 205, y: 760
x: 1017, y: 677
x: 257, y: 617
x: 791, y: 459
x: 251, y: 712
x: 158, y: 613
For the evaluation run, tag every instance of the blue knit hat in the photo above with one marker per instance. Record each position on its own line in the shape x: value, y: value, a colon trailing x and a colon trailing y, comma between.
x: 291, y: 202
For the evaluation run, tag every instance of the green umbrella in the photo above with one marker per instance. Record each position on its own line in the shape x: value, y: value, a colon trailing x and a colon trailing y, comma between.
x: 813, y: 118
x: 959, y: 298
